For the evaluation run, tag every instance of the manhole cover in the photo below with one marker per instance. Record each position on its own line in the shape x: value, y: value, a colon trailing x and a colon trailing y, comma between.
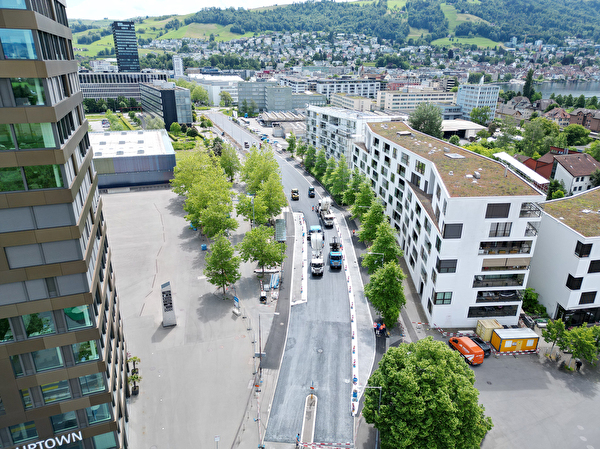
x: 320, y: 351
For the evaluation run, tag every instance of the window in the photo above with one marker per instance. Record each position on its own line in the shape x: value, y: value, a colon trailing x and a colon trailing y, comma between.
x: 442, y: 298
x: 56, y: 391
x: 47, y: 359
x: 92, y: 383
x: 15, y: 360
x: 500, y: 229
x: 453, y: 231
x: 587, y: 298
x: 415, y: 179
x: 28, y: 91
x: 594, y: 266
x: 78, y: 317
x: 497, y: 210
x: 43, y: 177
x: 34, y: 135
x: 98, y: 413
x: 438, y: 243
x: 14, y: 4
x: 574, y: 283
x: 583, y: 249
x: 23, y: 432
x: 420, y: 167
x: 427, y: 226
x: 64, y: 421
x: 446, y: 266
x: 438, y: 191
x: 17, y: 44
x: 11, y: 179
x: 5, y: 330
x: 39, y: 324
x: 491, y: 311
x: 26, y: 397
x: 6, y: 139
x: 105, y: 441
x: 86, y: 351
x: 404, y: 159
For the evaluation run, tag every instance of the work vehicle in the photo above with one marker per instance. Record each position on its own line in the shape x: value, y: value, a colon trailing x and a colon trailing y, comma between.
x: 263, y: 297
x: 485, y: 346
x: 280, y: 235
x: 313, y: 230
x: 311, y: 192
x: 316, y: 261
x: 295, y: 194
x: 325, y: 212
x: 246, y: 144
x: 335, y: 254
x: 472, y: 353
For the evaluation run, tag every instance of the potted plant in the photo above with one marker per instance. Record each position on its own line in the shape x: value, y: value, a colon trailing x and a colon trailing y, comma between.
x: 134, y: 379
x: 134, y: 360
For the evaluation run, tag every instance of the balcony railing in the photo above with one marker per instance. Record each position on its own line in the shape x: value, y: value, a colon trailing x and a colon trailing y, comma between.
x: 500, y: 280
x: 499, y: 296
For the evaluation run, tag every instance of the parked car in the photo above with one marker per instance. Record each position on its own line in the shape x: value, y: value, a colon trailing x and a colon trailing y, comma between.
x: 484, y: 345
x: 472, y: 353
x: 295, y: 194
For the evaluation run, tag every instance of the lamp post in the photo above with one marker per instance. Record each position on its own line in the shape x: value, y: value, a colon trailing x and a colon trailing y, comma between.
x: 366, y: 387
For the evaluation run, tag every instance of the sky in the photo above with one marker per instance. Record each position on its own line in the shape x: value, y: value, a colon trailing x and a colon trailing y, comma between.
x: 125, y: 9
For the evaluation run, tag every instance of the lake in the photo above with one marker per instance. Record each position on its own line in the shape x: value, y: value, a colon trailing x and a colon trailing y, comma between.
x: 575, y: 88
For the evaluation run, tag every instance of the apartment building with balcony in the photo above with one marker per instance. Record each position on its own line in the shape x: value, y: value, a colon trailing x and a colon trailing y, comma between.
x: 336, y: 129
x: 466, y: 223
x: 63, y: 368
x: 471, y: 96
x: 408, y: 98
x: 352, y: 102
x: 565, y: 269
x: 347, y: 85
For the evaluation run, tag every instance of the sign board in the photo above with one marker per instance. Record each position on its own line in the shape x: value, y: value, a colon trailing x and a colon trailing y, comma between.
x: 236, y: 302
x: 169, y: 318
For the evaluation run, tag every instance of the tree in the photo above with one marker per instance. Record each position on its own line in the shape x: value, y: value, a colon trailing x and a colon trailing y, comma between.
x: 327, y: 178
x: 555, y: 186
x: 373, y: 217
x: 427, y: 118
x: 580, y: 102
x: 200, y: 95
x: 226, y: 98
x: 340, y: 178
x: 531, y: 304
x: 259, y: 246
x: 428, y: 399
x: 363, y: 201
x: 384, y: 249
x: 252, y: 208
x: 528, y: 87
x: 191, y: 166
x: 554, y: 332
x: 581, y: 342
x: 222, y: 267
x: 594, y: 150
x: 576, y: 134
x: 310, y: 158
x: 386, y: 293
x: 192, y: 132
x: 155, y: 123
x: 229, y: 161
x: 272, y: 196
x: 320, y: 165
x: 481, y: 115
x: 454, y: 139
x: 291, y: 140
x: 356, y: 180
x: 258, y: 166
x: 301, y: 148
x: 595, y: 178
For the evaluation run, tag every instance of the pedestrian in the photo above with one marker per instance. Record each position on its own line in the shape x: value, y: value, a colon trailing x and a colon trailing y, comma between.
x: 297, y: 441
x: 578, y: 364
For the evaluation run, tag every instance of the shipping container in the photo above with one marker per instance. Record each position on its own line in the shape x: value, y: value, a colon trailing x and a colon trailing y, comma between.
x: 511, y: 340
x: 486, y: 327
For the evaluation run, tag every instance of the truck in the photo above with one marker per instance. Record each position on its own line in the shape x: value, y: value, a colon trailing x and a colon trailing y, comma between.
x: 325, y: 212
x: 313, y: 230
x: 471, y: 352
x: 316, y: 261
x: 335, y: 254
x: 295, y: 194
x: 280, y: 228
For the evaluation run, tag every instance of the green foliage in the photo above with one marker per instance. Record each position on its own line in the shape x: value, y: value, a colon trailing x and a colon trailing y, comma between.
x: 327, y: 178
x: 454, y: 140
x: 595, y: 178
x: 190, y: 167
x: 199, y: 95
x: 555, y: 186
x: 531, y: 304
x: 291, y: 140
x: 356, y: 180
x: 252, y: 208
x: 259, y: 246
x: 554, y: 332
x: 363, y: 201
x: 226, y: 99
x: 222, y: 267
x: 370, y: 221
x: 229, y: 161
x: 175, y: 128
x: 427, y: 118
x: 576, y: 135
x: 539, y: 135
x: 582, y: 343
x: 594, y: 150
x: 384, y: 249
x: 271, y: 195
x: 340, y: 179
x: 258, y: 166
x: 386, y: 293
x: 192, y: 132
x: 428, y: 399
x: 155, y: 123
x: 310, y: 158
x: 528, y: 90
x: 320, y: 165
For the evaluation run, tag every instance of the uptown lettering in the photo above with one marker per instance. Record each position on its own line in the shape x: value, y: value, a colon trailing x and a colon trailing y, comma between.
x: 55, y: 442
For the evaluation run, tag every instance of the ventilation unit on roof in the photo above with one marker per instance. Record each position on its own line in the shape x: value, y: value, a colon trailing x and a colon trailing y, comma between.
x: 446, y: 150
x: 451, y: 173
x: 454, y: 156
x: 120, y: 153
x: 403, y: 133
x: 477, y: 175
x: 140, y: 151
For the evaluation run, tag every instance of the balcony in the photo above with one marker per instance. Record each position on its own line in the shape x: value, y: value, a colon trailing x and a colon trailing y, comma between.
x: 514, y: 247
x: 500, y: 296
x: 498, y: 280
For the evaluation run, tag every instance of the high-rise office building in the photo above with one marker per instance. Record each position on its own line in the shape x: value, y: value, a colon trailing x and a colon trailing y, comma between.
x: 63, y: 367
x: 177, y: 66
x: 126, y: 48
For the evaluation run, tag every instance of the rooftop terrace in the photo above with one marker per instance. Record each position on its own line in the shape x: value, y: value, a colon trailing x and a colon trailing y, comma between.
x: 579, y: 212
x: 457, y: 166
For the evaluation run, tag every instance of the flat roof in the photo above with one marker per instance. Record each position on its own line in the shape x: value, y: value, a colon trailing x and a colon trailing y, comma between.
x: 456, y: 165
x: 459, y: 125
x: 131, y: 143
x: 580, y: 212
x: 522, y: 332
x: 531, y: 174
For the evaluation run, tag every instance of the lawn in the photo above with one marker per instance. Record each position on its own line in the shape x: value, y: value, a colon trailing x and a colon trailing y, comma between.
x: 416, y: 33
x: 482, y: 42
x: 204, y: 30
x: 455, y: 18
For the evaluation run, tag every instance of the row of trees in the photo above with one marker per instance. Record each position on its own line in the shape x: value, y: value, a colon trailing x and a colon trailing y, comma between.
x: 582, y: 342
x: 120, y: 103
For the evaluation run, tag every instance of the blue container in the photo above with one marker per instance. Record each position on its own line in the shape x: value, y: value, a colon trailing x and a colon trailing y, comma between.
x: 204, y: 247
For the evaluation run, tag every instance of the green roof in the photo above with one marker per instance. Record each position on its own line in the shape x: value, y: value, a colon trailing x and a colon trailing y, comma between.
x: 580, y: 212
x: 456, y: 165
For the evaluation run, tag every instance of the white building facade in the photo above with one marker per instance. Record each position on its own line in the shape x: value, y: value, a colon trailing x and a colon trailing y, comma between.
x: 471, y: 96
x: 351, y: 86
x: 466, y: 224
x: 575, y: 171
x: 408, y: 98
x: 565, y: 270
x: 177, y: 66
x: 214, y: 85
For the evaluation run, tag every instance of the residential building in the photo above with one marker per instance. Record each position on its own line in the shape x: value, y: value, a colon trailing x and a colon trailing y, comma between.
x: 450, y: 111
x: 170, y: 103
x: 297, y: 84
x: 588, y: 118
x: 336, y: 130
x: 559, y: 116
x: 467, y: 224
x: 347, y: 85
x: 63, y: 358
x: 215, y: 84
x: 351, y: 102
x: 133, y: 158
x: 565, y: 269
x: 113, y: 85
x: 177, y: 66
x: 408, y: 98
x: 126, y: 48
x: 471, y: 96
x: 575, y: 171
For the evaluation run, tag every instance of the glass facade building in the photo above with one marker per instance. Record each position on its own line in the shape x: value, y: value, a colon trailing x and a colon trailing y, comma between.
x: 170, y: 103
x: 63, y: 367
x: 126, y: 48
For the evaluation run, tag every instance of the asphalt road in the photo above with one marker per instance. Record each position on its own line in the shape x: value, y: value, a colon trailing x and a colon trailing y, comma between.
x: 318, y: 346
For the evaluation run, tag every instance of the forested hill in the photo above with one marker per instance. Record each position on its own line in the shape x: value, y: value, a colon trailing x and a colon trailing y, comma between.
x: 549, y: 20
